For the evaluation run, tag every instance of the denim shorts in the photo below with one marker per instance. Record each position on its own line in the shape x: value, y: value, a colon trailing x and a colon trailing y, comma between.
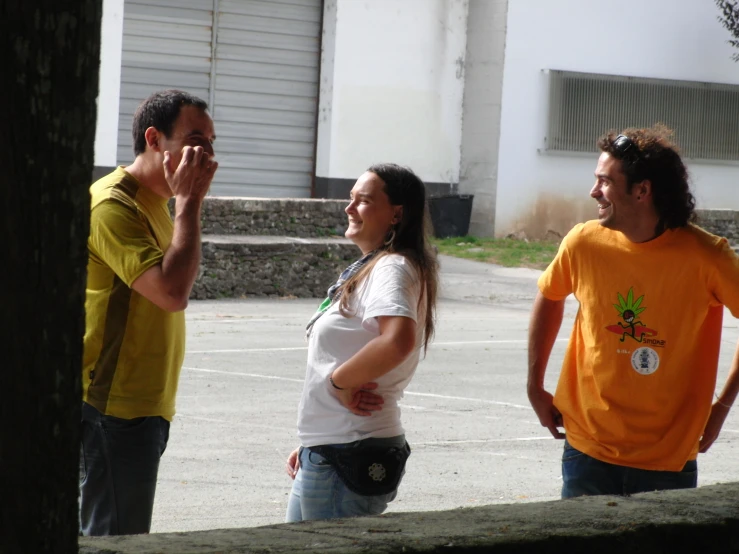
x: 318, y: 493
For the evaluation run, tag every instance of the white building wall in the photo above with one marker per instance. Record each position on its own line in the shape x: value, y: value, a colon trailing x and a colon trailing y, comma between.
x: 668, y: 39
x: 326, y: 89
x: 483, y: 88
x: 111, y: 46
x: 391, y: 87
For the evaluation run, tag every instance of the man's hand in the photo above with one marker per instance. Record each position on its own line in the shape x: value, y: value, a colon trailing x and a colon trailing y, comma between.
x: 360, y: 401
x: 293, y: 463
x: 549, y: 416
x: 546, y: 319
x: 713, y: 426
x: 191, y: 179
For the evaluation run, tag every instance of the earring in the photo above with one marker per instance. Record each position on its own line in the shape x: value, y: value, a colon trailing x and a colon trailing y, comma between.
x: 390, y: 238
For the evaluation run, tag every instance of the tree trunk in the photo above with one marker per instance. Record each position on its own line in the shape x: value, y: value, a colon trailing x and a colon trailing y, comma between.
x: 49, y: 70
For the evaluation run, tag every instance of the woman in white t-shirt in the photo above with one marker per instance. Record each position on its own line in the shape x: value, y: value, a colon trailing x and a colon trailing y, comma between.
x: 364, y: 343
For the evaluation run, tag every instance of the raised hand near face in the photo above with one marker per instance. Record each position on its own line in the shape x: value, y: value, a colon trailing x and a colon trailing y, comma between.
x: 192, y: 177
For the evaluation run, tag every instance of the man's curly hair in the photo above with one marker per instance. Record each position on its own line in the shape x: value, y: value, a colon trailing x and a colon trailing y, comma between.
x: 655, y: 157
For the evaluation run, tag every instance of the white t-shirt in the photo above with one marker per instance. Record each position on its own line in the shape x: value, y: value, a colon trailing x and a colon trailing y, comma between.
x: 391, y: 289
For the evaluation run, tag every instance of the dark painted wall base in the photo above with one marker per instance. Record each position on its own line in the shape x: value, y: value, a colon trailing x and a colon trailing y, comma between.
x: 100, y: 171
x: 332, y: 187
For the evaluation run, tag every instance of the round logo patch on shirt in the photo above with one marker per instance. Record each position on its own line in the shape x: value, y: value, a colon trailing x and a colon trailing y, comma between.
x: 644, y: 360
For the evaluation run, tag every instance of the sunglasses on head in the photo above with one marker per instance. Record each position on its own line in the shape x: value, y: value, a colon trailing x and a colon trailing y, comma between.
x: 623, y: 144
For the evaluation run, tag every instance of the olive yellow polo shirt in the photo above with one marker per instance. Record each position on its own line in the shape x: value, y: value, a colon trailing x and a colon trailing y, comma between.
x: 133, y: 350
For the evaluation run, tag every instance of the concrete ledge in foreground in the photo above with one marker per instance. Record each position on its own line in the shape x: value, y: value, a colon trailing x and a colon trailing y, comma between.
x: 702, y: 521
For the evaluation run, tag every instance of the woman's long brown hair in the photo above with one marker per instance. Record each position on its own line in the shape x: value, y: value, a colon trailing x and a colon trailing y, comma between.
x: 404, y: 188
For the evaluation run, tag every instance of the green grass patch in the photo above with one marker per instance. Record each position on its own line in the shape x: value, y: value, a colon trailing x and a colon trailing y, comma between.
x: 506, y: 252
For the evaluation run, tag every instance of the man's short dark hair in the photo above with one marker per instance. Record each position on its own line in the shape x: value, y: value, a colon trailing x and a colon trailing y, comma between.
x: 160, y: 111
x: 650, y: 154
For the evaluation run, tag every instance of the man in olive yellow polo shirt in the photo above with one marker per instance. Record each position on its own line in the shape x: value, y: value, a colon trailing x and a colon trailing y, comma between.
x: 140, y: 272
x: 636, y: 390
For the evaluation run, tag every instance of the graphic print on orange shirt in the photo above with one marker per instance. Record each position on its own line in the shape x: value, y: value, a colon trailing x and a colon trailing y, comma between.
x: 629, y: 309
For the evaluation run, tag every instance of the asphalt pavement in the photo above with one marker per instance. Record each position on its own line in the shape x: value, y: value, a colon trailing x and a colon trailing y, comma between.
x: 475, y: 439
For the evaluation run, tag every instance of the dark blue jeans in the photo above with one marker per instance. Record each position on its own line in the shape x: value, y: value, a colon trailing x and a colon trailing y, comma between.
x: 119, y: 462
x: 584, y: 475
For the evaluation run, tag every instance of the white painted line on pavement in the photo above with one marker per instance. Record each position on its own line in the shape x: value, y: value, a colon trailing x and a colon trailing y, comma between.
x: 483, y: 441
x: 237, y: 423
x: 243, y: 374
x: 447, y: 343
x: 428, y: 394
x: 232, y: 320
x: 404, y: 406
x: 247, y: 350
x: 508, y: 455
x: 519, y: 406
x: 502, y: 341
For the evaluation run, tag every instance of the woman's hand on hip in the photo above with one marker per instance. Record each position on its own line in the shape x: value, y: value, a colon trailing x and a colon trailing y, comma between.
x: 361, y: 401
x: 293, y: 463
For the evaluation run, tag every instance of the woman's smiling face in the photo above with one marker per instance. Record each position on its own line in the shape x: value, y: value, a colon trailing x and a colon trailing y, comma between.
x: 371, y: 215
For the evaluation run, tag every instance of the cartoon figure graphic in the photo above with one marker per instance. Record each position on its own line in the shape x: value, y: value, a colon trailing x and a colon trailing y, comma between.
x: 629, y: 309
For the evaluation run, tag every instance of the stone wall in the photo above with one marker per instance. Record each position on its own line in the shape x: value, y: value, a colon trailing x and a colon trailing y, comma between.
x: 242, y: 267
x: 256, y: 247
x: 724, y: 223
x: 274, y: 217
x: 324, y: 218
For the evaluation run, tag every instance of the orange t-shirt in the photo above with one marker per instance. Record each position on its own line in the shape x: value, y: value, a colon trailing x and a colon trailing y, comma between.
x: 639, y: 372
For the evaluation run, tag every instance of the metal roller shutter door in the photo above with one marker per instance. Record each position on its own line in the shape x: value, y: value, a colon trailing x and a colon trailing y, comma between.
x: 265, y: 77
x: 266, y: 91
x: 166, y: 44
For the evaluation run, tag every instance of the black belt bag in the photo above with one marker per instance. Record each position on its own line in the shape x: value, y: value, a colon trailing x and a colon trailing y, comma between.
x: 367, y: 470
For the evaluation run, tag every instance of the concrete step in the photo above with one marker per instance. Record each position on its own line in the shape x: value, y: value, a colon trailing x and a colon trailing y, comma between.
x: 243, y: 266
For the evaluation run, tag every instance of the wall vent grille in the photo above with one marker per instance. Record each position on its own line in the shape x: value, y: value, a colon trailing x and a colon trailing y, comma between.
x: 582, y: 106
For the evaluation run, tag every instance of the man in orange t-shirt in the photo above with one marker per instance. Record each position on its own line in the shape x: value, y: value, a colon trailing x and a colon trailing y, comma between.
x: 636, y: 388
